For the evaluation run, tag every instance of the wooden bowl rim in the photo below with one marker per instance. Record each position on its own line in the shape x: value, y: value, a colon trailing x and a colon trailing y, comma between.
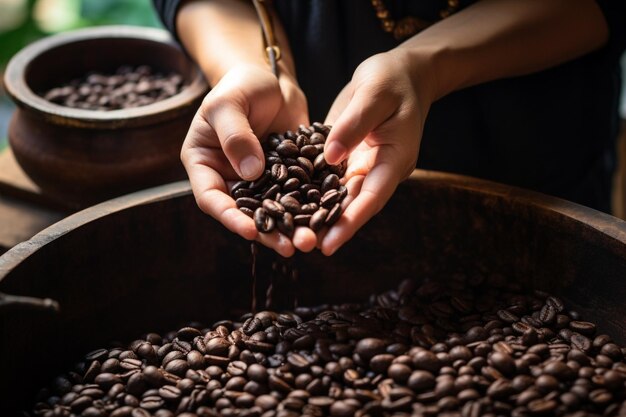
x: 588, y: 221
x: 18, y: 89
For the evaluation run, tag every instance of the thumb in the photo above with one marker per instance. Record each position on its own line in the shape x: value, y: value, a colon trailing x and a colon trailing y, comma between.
x: 363, y: 114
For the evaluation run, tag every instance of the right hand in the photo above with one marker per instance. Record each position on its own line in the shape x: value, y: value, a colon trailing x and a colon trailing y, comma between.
x: 222, y: 145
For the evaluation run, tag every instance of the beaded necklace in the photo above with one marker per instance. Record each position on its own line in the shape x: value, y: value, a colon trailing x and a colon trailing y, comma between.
x: 407, y: 26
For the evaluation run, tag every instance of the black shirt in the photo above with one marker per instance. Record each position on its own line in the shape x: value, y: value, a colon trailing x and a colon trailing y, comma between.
x: 553, y: 131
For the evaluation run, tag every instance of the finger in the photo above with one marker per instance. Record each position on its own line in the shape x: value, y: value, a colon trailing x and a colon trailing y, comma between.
x: 354, y: 187
x: 278, y: 242
x: 364, y: 113
x: 211, y: 195
x: 304, y: 239
x: 339, y: 105
x: 377, y: 188
x: 240, y: 145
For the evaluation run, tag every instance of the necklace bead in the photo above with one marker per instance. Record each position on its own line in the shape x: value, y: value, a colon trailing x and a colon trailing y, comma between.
x: 410, y: 25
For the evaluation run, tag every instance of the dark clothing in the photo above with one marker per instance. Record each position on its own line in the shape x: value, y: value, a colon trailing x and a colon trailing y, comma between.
x: 552, y: 131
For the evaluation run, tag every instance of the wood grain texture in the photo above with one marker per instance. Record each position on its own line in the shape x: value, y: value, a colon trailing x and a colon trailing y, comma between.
x: 152, y: 261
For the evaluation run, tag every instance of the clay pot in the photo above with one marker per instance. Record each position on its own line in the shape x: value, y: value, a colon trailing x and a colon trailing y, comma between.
x: 79, y: 157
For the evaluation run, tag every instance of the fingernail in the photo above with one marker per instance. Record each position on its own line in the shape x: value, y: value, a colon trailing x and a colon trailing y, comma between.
x: 335, y: 152
x: 250, y: 167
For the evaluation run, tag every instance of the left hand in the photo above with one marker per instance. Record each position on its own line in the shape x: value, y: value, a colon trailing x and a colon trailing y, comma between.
x: 377, y: 122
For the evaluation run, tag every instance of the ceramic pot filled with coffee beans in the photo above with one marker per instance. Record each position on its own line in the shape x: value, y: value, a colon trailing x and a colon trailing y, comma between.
x: 101, y: 111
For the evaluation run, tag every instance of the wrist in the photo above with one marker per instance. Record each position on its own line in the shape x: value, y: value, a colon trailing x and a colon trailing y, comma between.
x: 423, y: 67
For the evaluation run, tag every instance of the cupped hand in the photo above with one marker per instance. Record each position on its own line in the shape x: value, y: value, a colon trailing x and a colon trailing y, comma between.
x: 222, y: 145
x: 377, y: 122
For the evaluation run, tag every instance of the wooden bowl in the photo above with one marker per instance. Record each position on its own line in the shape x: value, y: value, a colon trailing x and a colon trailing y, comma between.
x: 79, y: 157
x: 151, y: 261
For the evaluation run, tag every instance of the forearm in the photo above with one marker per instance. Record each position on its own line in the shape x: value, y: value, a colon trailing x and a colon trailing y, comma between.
x: 221, y: 34
x: 502, y: 38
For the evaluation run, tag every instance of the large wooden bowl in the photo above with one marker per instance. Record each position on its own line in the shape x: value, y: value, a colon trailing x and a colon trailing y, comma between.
x: 80, y: 157
x: 151, y: 261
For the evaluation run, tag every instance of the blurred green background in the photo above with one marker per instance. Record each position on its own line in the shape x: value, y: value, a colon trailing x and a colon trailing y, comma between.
x: 24, y: 21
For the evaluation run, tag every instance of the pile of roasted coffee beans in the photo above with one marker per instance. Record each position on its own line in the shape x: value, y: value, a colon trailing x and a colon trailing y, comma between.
x: 128, y: 87
x: 298, y: 187
x: 472, y: 347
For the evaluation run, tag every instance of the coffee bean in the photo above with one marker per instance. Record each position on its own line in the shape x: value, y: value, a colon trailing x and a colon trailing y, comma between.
x: 195, y: 359
x: 583, y: 327
x: 507, y: 317
x: 291, y: 204
x: 123, y: 89
x: 273, y: 208
x: 280, y: 174
x: 288, y: 148
x: 217, y: 346
x: 248, y: 202
x: 177, y: 367
x: 318, y: 219
x: 541, y: 406
x: 97, y: 355
x: 399, y: 373
x: 286, y: 224
x: 295, y: 171
x: 441, y: 347
x: 263, y: 221
x: 503, y: 363
x: 271, y: 192
x: 302, y: 219
x: 580, y: 342
x: 329, y: 199
x: 421, y: 381
x: 309, y: 208
x: 333, y: 215
x: 170, y: 393
x: 188, y: 333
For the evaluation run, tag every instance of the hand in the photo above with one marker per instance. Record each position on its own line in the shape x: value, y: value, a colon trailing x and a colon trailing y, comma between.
x: 377, y: 122
x: 222, y: 144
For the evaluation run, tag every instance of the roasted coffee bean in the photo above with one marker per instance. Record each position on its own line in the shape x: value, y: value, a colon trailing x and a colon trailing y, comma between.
x: 583, y: 327
x: 188, y: 333
x: 329, y: 199
x: 318, y: 219
x: 306, y: 165
x: 248, y: 202
x: 302, y: 219
x: 263, y: 221
x: 295, y: 171
x: 279, y: 173
x: 293, y: 174
x: 126, y: 88
x: 309, y: 208
x: 273, y: 208
x: 288, y: 148
x: 286, y: 224
x: 454, y: 347
x: 333, y: 215
x: 399, y: 373
x: 291, y: 204
x: 331, y: 182
x: 177, y: 367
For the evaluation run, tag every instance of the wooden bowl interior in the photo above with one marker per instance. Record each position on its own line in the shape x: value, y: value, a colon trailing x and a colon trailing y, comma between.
x: 120, y: 270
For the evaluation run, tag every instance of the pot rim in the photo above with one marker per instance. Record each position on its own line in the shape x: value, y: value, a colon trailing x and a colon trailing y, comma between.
x: 587, y: 220
x: 19, y: 90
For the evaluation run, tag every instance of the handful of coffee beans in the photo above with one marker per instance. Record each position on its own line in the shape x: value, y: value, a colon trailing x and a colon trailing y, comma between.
x: 459, y: 346
x: 298, y: 187
x: 128, y: 87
